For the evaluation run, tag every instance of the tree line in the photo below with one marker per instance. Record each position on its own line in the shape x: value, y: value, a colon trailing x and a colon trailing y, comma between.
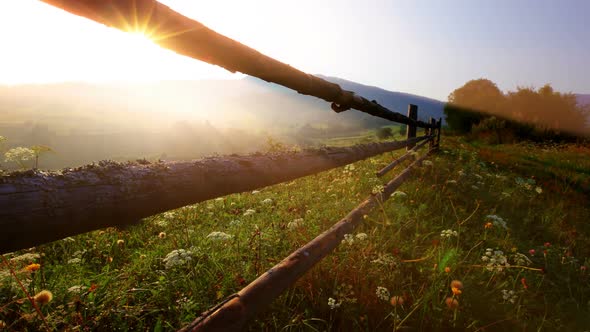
x: 481, y: 109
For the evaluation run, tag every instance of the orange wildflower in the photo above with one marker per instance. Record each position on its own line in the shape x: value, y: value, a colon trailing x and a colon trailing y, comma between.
x: 33, y: 267
x: 456, y: 284
x: 43, y: 297
x: 456, y: 291
x: 452, y: 303
x: 447, y: 269
x: 488, y: 225
x: 397, y: 300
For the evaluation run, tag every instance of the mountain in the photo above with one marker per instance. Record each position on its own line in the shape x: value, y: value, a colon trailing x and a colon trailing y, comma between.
x: 583, y: 99
x: 85, y: 122
x: 395, y: 101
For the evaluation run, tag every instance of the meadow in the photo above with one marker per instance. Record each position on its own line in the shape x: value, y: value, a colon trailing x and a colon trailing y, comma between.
x: 481, y: 238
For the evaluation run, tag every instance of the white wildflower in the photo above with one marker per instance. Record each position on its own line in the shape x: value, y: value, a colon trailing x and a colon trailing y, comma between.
x: 385, y: 260
x: 255, y: 192
x: 235, y: 222
x: 447, y: 233
x: 539, y: 190
x: 382, y: 293
x: 267, y: 201
x: 249, y: 212
x: 479, y: 177
x: 333, y: 304
x: 399, y: 194
x: 509, y: 296
x: 219, y: 236
x: 74, y: 261
x: 451, y: 181
x: 361, y: 236
x: 295, y: 223
x: 495, y: 260
x: 19, y: 155
x: 497, y: 220
x: 427, y: 163
x: 521, y: 259
x: 28, y: 257
x: 177, y: 257
x: 378, y: 189
x: 348, y: 239
x: 77, y: 289
x: 474, y: 187
x: 160, y: 223
x: 219, y: 199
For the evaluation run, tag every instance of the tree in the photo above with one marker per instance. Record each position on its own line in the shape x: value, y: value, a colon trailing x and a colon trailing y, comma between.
x: 468, y: 104
x: 384, y: 132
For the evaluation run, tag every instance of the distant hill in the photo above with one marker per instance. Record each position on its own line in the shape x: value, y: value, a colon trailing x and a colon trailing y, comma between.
x: 583, y: 99
x: 395, y: 101
x: 85, y: 122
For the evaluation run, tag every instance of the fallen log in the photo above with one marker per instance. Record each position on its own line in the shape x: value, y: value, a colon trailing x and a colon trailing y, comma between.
x: 38, y: 207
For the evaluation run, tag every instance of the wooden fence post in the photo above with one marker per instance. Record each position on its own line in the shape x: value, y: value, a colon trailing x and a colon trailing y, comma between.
x: 411, y: 129
x: 430, y: 132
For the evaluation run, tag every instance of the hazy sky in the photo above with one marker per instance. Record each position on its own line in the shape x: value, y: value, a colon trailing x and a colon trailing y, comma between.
x: 423, y: 47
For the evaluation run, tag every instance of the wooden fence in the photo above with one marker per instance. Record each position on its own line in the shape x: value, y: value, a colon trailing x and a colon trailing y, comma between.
x: 47, y: 206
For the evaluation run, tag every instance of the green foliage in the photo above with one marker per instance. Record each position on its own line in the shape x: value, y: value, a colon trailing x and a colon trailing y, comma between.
x: 526, y: 204
x: 384, y: 132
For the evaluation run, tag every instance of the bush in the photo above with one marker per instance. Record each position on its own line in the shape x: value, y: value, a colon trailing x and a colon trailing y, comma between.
x: 384, y: 132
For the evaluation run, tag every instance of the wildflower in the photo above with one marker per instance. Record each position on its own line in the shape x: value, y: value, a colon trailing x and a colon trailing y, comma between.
x: 235, y: 222
x: 539, y: 190
x: 120, y: 242
x: 521, y: 259
x: 451, y: 182
x: 267, y: 201
x: 295, y: 223
x: 377, y: 189
x: 447, y: 233
x: 497, y: 221
x: 249, y: 212
x: 75, y: 260
x: 547, y: 244
x: 255, y: 192
x: 399, y: 194
x: 495, y: 259
x: 452, y: 303
x: 348, y: 239
x: 456, y: 291
x: 488, y: 225
x: 19, y: 155
x: 474, y: 187
x: 332, y: 304
x: 456, y: 284
x: 177, y: 257
x: 427, y: 163
x: 447, y: 269
x: 76, y: 289
x: 532, y: 252
x: 509, y: 296
x: 28, y: 257
x: 162, y: 235
x: 382, y: 293
x: 33, y: 267
x: 524, y: 284
x: 43, y: 297
x: 219, y: 199
x: 219, y: 236
x: 397, y: 300
x: 361, y: 236
x: 386, y: 260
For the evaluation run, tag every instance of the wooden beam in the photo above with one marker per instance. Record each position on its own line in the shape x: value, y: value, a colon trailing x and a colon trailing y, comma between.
x: 188, y: 37
x: 38, y: 207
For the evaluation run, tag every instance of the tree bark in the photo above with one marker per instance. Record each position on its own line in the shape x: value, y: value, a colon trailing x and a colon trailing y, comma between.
x: 38, y: 207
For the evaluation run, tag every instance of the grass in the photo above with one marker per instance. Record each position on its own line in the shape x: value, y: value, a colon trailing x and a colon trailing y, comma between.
x: 140, y: 279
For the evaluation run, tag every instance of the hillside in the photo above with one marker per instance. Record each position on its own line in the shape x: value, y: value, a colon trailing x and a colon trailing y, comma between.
x: 86, y: 122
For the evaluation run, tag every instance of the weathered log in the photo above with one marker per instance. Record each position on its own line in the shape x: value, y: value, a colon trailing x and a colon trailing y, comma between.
x: 188, y: 37
x: 235, y: 313
x: 38, y: 207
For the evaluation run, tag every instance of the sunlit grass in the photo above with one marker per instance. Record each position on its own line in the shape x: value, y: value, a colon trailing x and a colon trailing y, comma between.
x: 518, y: 243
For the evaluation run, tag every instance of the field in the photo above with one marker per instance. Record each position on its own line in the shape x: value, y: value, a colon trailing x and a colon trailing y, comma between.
x: 482, y: 238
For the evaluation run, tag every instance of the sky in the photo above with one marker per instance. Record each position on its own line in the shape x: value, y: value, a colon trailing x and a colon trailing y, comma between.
x: 423, y: 47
